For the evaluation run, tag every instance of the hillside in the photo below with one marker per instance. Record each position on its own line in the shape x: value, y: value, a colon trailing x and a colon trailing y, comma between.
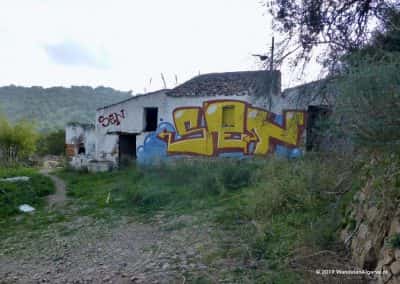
x: 52, y: 108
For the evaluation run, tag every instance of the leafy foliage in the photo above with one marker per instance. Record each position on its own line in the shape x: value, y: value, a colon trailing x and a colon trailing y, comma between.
x: 368, y: 107
x: 16, y: 142
x: 52, y: 108
x: 51, y: 143
x: 338, y: 26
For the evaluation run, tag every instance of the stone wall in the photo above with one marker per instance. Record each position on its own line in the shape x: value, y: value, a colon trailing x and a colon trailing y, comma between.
x: 367, y: 235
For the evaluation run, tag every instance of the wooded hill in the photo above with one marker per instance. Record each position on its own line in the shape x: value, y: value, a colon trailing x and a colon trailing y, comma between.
x: 51, y: 108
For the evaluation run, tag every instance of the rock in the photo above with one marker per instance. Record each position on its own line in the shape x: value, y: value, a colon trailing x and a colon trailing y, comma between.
x: 135, y: 279
x: 397, y: 254
x: 395, y: 267
x: 385, y: 277
x: 388, y: 256
x: 379, y: 266
x: 15, y: 179
x: 36, y: 276
x: 165, y: 266
x: 363, y: 231
x: 394, y: 227
x: 344, y: 234
x: 26, y: 208
x: 372, y: 213
x: 368, y: 257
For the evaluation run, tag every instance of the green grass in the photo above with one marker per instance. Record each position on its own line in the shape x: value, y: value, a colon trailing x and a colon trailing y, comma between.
x: 273, y: 205
x: 289, y: 206
x: 13, y: 194
x: 181, y: 187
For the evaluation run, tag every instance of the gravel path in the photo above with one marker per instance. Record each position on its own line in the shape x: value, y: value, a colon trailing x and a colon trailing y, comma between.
x: 115, y: 249
x: 92, y: 251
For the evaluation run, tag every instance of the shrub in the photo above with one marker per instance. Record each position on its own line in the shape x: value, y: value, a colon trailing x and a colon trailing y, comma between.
x: 51, y: 143
x: 394, y: 241
x: 369, y: 102
x: 16, y: 142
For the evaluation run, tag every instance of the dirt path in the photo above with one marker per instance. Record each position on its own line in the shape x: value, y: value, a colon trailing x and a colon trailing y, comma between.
x: 59, y: 197
x: 116, y: 249
x: 87, y: 250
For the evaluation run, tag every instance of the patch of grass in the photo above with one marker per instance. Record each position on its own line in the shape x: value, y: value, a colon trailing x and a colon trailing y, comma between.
x: 289, y: 206
x: 13, y: 194
x: 273, y: 206
x: 176, y: 188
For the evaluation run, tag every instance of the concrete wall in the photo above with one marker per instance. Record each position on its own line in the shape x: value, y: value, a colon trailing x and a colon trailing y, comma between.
x: 126, y: 117
x: 192, y: 125
x: 80, y: 144
x: 78, y: 135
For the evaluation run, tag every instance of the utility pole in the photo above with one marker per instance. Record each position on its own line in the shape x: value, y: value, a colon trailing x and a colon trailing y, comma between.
x: 271, y: 63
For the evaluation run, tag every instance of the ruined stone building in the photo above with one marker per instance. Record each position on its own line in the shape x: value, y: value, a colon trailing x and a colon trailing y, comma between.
x: 235, y: 114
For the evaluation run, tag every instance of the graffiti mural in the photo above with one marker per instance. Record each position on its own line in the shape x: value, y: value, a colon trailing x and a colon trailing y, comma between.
x: 226, y: 128
x: 112, y: 118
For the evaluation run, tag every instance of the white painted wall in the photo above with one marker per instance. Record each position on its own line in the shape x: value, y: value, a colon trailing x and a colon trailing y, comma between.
x: 132, y: 122
x: 132, y: 118
x: 81, y: 133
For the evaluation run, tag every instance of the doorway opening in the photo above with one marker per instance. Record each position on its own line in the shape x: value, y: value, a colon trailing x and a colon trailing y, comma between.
x: 81, y: 149
x: 316, y: 116
x: 150, y: 118
x: 127, y: 148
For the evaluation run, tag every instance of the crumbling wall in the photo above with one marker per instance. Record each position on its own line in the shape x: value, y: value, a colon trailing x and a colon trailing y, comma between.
x: 80, y: 143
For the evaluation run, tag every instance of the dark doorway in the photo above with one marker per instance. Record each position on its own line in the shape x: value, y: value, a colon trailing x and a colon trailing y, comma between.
x: 127, y: 149
x: 81, y: 149
x: 316, y: 117
x: 150, y: 118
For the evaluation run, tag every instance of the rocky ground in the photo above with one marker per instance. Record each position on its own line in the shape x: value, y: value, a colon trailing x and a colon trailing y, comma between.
x: 87, y: 250
x: 90, y: 249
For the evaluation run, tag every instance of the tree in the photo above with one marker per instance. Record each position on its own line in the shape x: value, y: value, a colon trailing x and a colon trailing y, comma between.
x: 367, y: 110
x: 16, y: 142
x: 52, y: 143
x: 335, y: 26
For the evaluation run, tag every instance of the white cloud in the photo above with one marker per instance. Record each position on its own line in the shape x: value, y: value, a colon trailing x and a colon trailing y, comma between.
x: 71, y: 53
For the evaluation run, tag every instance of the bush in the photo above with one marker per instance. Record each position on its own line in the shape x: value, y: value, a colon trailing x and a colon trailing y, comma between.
x: 17, y: 142
x: 288, y: 205
x: 51, y: 143
x: 369, y: 102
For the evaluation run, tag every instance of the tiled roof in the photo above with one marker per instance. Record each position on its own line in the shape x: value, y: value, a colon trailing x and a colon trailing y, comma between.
x: 254, y: 83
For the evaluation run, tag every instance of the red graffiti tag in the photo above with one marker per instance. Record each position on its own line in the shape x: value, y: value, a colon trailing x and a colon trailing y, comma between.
x: 112, y: 118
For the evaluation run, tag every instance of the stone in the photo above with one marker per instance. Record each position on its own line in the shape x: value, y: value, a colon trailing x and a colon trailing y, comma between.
x: 394, y: 227
x: 26, y: 208
x: 395, y: 267
x: 344, y: 234
x: 388, y: 256
x: 165, y: 266
x: 363, y: 231
x: 385, y: 277
x: 379, y: 266
x: 397, y: 254
x: 372, y: 213
x: 15, y: 179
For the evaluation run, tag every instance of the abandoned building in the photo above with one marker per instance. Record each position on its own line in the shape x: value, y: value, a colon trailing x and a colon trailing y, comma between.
x: 235, y: 114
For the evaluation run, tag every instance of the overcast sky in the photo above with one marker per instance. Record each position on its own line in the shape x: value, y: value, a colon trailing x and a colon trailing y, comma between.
x: 125, y: 44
